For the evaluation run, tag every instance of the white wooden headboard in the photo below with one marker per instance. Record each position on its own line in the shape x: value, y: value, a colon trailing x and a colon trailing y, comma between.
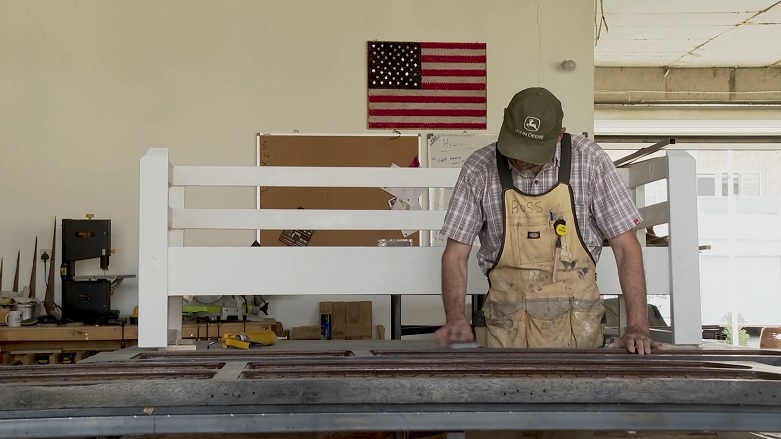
x: 168, y: 270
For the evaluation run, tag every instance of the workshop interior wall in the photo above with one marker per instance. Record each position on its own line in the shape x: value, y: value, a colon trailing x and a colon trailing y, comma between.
x: 86, y: 87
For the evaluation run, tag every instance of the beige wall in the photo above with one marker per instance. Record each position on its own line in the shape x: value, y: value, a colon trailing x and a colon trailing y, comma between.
x: 87, y: 86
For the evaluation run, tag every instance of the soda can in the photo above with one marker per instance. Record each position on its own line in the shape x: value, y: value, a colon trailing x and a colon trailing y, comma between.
x: 326, y: 329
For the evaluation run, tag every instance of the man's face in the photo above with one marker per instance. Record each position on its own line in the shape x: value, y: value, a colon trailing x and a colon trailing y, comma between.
x: 525, y: 168
x: 522, y: 166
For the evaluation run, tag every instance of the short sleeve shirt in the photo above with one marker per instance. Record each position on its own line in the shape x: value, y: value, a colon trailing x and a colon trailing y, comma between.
x: 603, y: 206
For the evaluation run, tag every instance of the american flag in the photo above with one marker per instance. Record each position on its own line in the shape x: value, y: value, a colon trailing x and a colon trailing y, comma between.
x: 427, y: 85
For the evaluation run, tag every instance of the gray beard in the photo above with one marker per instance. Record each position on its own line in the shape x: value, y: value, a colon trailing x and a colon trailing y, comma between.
x: 527, y: 173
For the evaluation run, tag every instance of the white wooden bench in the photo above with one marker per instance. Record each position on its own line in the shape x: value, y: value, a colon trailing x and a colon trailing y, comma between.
x: 168, y: 270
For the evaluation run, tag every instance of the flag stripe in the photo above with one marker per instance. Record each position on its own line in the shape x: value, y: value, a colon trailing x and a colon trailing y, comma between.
x: 451, y: 86
x: 452, y: 72
x: 453, y: 65
x: 426, y: 112
x: 427, y: 119
x: 423, y: 105
x: 426, y: 99
x: 448, y: 52
x: 415, y: 93
x: 480, y: 46
x: 429, y: 125
x: 460, y: 79
x: 453, y: 59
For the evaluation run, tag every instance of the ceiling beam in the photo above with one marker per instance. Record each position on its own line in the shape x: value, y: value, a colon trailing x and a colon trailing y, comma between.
x: 659, y: 85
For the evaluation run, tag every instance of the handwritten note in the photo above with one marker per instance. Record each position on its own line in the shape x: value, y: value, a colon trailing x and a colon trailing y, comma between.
x: 450, y: 151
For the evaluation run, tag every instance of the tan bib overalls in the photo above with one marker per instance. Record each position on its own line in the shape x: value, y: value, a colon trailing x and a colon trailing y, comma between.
x: 525, y: 307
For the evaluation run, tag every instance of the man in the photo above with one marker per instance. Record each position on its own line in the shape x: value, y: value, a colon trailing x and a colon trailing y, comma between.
x: 542, y: 202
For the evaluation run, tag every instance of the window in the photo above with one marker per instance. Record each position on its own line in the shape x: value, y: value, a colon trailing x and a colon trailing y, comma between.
x: 744, y: 184
x: 706, y: 185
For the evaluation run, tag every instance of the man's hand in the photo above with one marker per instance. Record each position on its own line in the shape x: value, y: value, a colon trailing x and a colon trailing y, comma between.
x: 636, y: 341
x: 458, y: 330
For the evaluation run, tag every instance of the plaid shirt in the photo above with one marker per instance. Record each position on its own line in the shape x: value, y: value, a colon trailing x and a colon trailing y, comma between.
x: 603, y: 206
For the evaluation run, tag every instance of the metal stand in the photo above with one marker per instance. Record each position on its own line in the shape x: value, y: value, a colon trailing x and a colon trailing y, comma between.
x: 396, y: 331
x: 396, y: 317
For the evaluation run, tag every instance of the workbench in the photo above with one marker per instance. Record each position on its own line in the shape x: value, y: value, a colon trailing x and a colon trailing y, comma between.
x: 392, y: 385
x: 47, y: 342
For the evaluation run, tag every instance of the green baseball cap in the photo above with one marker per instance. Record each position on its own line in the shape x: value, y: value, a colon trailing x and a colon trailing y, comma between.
x: 531, y: 127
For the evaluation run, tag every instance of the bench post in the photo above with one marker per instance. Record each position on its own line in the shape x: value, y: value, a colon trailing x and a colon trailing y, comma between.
x: 153, y: 249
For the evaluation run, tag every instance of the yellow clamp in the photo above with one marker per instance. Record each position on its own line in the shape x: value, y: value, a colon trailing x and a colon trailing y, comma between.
x: 244, y: 340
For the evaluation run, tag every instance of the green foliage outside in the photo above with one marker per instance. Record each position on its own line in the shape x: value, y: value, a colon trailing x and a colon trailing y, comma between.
x: 742, y: 333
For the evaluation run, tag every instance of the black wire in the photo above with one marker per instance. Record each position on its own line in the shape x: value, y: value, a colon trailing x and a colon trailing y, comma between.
x: 61, y: 319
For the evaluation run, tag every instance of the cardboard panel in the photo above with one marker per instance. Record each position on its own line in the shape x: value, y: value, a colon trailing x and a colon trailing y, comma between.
x: 333, y: 150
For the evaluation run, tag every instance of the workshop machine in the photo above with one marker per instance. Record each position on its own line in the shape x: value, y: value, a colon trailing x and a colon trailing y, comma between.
x: 223, y: 308
x: 87, y: 298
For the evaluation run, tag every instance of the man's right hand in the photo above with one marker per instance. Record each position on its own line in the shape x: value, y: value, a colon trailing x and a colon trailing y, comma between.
x: 458, y: 330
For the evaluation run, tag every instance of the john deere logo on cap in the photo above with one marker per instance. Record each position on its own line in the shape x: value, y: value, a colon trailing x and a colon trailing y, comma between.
x: 532, y: 124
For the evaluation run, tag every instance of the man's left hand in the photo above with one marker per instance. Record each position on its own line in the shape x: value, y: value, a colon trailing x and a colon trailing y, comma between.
x: 636, y: 341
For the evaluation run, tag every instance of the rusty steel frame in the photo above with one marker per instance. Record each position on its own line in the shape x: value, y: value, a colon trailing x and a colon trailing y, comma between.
x: 377, y: 389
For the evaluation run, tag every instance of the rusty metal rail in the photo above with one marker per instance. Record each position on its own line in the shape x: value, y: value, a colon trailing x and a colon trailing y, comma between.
x: 235, y: 355
x: 488, y: 366
x: 755, y: 355
x: 97, y: 372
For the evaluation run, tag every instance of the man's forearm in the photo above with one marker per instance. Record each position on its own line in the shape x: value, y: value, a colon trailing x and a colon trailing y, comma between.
x: 453, y: 287
x: 632, y: 278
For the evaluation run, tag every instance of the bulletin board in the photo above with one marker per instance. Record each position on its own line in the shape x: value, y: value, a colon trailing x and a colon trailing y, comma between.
x: 337, y: 151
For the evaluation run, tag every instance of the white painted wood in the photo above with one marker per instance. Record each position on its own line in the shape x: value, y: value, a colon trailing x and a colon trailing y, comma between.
x: 153, y: 249
x: 175, y: 239
x: 647, y: 171
x: 684, y: 263
x: 678, y: 264
x: 166, y: 268
x: 624, y: 174
x: 425, y: 235
x: 298, y: 176
x: 347, y: 270
x: 273, y: 219
x: 656, y: 265
x: 311, y: 270
x: 654, y: 214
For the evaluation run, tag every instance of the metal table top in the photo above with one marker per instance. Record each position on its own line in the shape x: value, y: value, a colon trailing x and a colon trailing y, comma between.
x: 392, y: 385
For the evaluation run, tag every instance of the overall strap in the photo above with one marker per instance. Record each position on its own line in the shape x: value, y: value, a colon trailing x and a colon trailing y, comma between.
x: 503, y: 165
x: 565, y: 163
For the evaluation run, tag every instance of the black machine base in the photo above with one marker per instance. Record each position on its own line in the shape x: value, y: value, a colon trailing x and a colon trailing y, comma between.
x: 87, y: 301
